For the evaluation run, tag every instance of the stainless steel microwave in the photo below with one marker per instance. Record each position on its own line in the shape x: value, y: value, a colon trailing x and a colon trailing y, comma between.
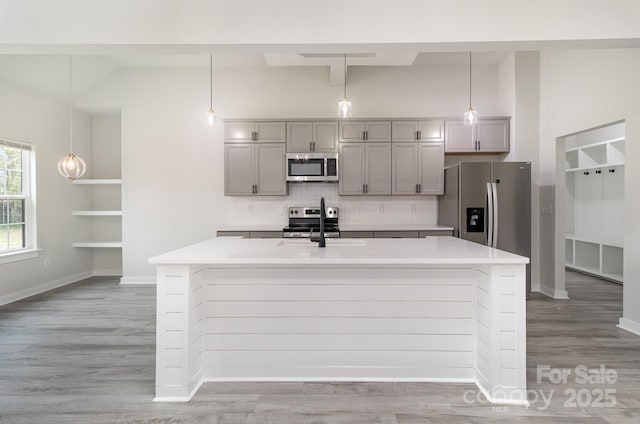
x: 312, y: 167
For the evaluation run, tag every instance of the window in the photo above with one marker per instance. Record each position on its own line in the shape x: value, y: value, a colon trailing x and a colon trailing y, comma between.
x: 17, y: 223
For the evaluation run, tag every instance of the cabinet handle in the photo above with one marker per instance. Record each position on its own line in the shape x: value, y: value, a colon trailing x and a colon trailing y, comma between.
x: 416, y: 188
x: 598, y: 171
x: 366, y: 188
x: 586, y: 172
x: 419, y: 135
x: 419, y: 188
x: 364, y: 135
x: 612, y: 170
x: 254, y: 135
x: 363, y: 189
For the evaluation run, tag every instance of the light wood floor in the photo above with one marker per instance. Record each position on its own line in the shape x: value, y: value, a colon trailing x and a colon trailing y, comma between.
x: 85, y: 354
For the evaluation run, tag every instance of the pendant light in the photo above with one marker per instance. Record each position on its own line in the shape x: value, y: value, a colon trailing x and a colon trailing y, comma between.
x: 212, y: 117
x: 71, y: 166
x: 344, y: 107
x: 470, y: 116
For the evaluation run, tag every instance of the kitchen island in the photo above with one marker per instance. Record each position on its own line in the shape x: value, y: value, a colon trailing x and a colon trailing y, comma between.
x: 432, y: 309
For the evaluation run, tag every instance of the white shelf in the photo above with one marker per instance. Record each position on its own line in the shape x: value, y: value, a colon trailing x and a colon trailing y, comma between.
x: 97, y: 213
x: 595, y: 240
x: 108, y: 244
x: 599, y: 143
x: 98, y: 181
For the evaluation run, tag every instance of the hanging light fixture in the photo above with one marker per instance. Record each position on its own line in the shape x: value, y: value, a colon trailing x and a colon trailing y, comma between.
x: 212, y: 117
x: 344, y: 107
x: 470, y: 116
x: 71, y: 166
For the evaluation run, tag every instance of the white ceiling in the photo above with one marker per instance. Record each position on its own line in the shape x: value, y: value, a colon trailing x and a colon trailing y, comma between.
x: 50, y: 73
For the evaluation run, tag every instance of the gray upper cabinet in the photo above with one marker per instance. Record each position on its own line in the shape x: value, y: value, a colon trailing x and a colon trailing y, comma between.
x: 254, y: 169
x: 365, y: 169
x: 254, y: 159
x: 238, y: 166
x: 423, y: 131
x: 312, y: 136
x: 418, y: 168
x: 487, y: 136
x: 430, y: 168
x: 258, y: 131
x: 370, y: 131
x: 270, y: 171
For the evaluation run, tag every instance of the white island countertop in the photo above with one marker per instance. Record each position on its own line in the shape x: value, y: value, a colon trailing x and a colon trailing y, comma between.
x: 340, y: 252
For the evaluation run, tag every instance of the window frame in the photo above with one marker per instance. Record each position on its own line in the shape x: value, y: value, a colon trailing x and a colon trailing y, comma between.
x: 30, y: 248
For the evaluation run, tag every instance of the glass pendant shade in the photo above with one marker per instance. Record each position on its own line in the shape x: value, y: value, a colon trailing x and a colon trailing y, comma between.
x: 72, y: 167
x: 212, y: 117
x: 470, y: 117
x: 344, y: 109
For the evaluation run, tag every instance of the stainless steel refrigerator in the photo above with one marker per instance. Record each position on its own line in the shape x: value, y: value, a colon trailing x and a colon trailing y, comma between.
x: 490, y: 203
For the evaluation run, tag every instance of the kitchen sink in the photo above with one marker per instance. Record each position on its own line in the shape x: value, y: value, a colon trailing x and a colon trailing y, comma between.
x: 330, y: 242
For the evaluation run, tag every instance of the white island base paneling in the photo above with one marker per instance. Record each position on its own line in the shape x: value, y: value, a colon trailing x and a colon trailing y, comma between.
x: 448, y: 323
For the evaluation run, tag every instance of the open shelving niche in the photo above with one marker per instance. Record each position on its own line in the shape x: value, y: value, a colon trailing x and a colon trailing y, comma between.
x: 116, y: 243
x: 594, y: 203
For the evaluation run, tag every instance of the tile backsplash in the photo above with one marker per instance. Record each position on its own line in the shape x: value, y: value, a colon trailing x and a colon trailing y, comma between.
x: 360, y: 210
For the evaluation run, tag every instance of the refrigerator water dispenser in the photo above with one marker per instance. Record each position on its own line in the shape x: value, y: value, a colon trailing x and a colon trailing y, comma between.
x: 475, y: 220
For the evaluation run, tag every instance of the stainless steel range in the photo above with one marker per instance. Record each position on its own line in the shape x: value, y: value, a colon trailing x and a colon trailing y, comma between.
x: 304, y: 222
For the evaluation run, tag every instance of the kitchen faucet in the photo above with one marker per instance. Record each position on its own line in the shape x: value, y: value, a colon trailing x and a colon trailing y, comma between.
x: 323, y: 215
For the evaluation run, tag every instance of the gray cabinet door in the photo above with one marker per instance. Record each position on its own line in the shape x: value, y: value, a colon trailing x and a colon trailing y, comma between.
x: 378, y: 131
x: 270, y: 172
x: 404, y: 131
x: 493, y: 136
x: 431, y: 168
x: 352, y: 131
x: 404, y: 168
x: 352, y: 168
x: 378, y: 168
x: 238, y: 167
x: 270, y: 132
x: 238, y: 132
x: 325, y: 137
x: 430, y: 131
x: 459, y: 138
x: 299, y: 137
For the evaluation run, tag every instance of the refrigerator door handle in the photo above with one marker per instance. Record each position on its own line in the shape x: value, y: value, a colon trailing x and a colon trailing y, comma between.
x: 490, y: 215
x: 494, y: 187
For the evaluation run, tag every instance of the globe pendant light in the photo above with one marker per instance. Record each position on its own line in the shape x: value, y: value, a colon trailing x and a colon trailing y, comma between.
x: 344, y: 107
x: 212, y: 117
x: 71, y: 166
x: 470, y: 116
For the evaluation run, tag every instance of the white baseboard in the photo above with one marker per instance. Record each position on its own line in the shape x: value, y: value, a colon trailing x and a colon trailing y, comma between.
x: 554, y: 294
x: 107, y: 272
x: 32, y: 291
x: 138, y: 280
x: 630, y: 326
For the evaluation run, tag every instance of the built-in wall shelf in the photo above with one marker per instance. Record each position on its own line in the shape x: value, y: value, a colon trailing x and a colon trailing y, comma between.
x: 600, y: 154
x: 97, y: 213
x: 90, y: 181
x: 594, y: 201
x: 98, y: 244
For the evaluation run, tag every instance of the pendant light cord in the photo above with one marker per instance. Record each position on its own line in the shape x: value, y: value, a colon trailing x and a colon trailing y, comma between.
x: 469, y: 80
x: 345, y: 76
x: 211, y: 81
x: 70, y: 106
